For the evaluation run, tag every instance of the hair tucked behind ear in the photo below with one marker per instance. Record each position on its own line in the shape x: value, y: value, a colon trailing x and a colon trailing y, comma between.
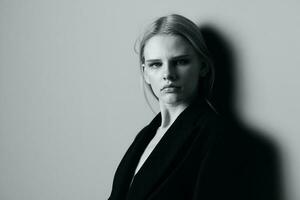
x: 175, y: 24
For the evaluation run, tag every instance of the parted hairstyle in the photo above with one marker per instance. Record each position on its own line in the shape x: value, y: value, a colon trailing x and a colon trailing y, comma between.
x: 179, y: 25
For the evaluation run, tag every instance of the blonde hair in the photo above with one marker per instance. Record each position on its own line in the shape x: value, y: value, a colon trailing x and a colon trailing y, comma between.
x: 175, y: 24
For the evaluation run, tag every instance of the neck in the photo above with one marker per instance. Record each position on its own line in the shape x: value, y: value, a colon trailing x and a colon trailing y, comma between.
x: 169, y: 112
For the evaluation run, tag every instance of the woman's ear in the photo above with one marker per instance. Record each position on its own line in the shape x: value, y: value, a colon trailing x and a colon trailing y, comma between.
x: 145, y: 75
x: 204, y: 69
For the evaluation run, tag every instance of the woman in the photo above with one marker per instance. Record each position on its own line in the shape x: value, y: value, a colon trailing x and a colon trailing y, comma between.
x: 187, y: 151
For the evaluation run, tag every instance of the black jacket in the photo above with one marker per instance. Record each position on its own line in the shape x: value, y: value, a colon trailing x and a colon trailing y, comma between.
x: 201, y: 156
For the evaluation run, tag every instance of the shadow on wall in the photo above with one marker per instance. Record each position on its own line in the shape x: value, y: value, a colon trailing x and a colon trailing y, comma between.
x: 267, y: 181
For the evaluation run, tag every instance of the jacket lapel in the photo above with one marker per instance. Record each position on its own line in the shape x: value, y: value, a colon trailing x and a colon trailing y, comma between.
x: 126, y: 168
x: 167, y: 152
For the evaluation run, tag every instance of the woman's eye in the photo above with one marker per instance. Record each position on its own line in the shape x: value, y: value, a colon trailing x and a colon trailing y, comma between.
x: 154, y: 65
x: 182, y: 62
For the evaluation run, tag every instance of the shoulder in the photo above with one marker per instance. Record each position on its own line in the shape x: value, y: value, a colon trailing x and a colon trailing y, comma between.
x: 150, y: 129
x: 233, y: 141
x: 242, y: 153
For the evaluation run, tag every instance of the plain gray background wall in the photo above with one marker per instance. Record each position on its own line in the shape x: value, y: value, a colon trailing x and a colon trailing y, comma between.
x: 70, y: 95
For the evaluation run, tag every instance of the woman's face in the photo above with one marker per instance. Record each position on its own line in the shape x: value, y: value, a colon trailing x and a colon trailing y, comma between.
x: 172, y: 68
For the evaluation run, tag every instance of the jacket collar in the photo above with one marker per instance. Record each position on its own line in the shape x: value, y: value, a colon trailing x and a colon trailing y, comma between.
x: 167, y: 152
x: 161, y: 161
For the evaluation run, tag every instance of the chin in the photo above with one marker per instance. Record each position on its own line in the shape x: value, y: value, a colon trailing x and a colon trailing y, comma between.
x: 171, y: 99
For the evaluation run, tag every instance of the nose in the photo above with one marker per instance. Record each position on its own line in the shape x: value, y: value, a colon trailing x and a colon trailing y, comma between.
x: 169, y: 72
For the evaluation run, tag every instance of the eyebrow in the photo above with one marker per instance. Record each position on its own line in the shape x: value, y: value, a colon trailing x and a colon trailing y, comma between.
x: 173, y: 58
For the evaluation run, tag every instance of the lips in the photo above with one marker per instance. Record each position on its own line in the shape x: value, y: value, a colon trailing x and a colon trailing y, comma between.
x: 170, y: 88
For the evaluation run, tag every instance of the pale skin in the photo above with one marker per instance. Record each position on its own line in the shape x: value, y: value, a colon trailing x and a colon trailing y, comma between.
x: 173, y: 69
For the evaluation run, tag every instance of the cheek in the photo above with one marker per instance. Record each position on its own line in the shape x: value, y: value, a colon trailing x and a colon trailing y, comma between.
x: 155, y: 86
x: 192, y: 79
x: 154, y: 82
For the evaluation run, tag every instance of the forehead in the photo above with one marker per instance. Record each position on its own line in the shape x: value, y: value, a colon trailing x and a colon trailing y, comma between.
x: 160, y: 46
